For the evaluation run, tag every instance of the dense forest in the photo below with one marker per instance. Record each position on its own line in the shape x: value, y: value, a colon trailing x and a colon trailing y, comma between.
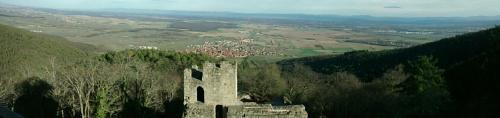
x: 46, y: 76
x: 468, y: 64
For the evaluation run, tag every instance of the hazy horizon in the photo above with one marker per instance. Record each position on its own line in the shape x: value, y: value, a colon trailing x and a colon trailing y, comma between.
x: 391, y: 8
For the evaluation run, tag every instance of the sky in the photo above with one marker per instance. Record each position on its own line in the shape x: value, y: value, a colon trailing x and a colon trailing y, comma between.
x: 395, y: 8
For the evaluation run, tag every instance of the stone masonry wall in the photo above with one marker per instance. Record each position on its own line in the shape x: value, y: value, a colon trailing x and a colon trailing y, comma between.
x: 266, y: 111
x: 198, y: 110
x: 219, y: 82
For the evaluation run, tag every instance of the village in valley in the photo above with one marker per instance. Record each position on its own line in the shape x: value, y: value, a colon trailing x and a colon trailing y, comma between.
x: 227, y: 48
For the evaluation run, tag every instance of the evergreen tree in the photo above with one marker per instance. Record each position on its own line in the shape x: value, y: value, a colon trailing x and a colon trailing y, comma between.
x: 425, y: 89
x: 425, y: 75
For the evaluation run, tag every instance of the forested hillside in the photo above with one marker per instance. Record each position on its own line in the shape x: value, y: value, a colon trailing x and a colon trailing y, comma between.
x: 469, y: 62
x: 47, y: 76
x: 24, y: 53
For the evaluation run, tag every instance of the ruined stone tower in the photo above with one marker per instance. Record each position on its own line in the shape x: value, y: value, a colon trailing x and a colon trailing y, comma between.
x: 215, y: 84
x: 212, y: 92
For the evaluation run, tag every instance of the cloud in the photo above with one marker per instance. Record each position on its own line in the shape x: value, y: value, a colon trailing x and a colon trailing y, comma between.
x: 392, y: 7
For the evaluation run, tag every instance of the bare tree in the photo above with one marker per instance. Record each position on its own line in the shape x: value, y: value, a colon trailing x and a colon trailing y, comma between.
x: 7, y: 94
x: 82, y: 83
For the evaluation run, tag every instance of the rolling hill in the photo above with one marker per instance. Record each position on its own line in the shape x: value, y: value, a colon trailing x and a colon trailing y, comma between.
x: 25, y: 53
x: 470, y: 64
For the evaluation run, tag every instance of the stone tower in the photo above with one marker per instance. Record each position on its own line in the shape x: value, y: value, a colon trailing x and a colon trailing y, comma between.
x: 215, y: 84
x: 211, y: 92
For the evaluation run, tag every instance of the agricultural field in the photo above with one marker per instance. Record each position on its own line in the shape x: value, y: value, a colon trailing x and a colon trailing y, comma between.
x: 218, y: 37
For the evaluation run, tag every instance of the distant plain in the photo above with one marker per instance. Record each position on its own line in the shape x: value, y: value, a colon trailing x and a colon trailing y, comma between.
x: 286, y: 35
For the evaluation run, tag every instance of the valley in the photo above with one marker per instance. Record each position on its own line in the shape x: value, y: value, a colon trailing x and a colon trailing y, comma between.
x: 224, y: 34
